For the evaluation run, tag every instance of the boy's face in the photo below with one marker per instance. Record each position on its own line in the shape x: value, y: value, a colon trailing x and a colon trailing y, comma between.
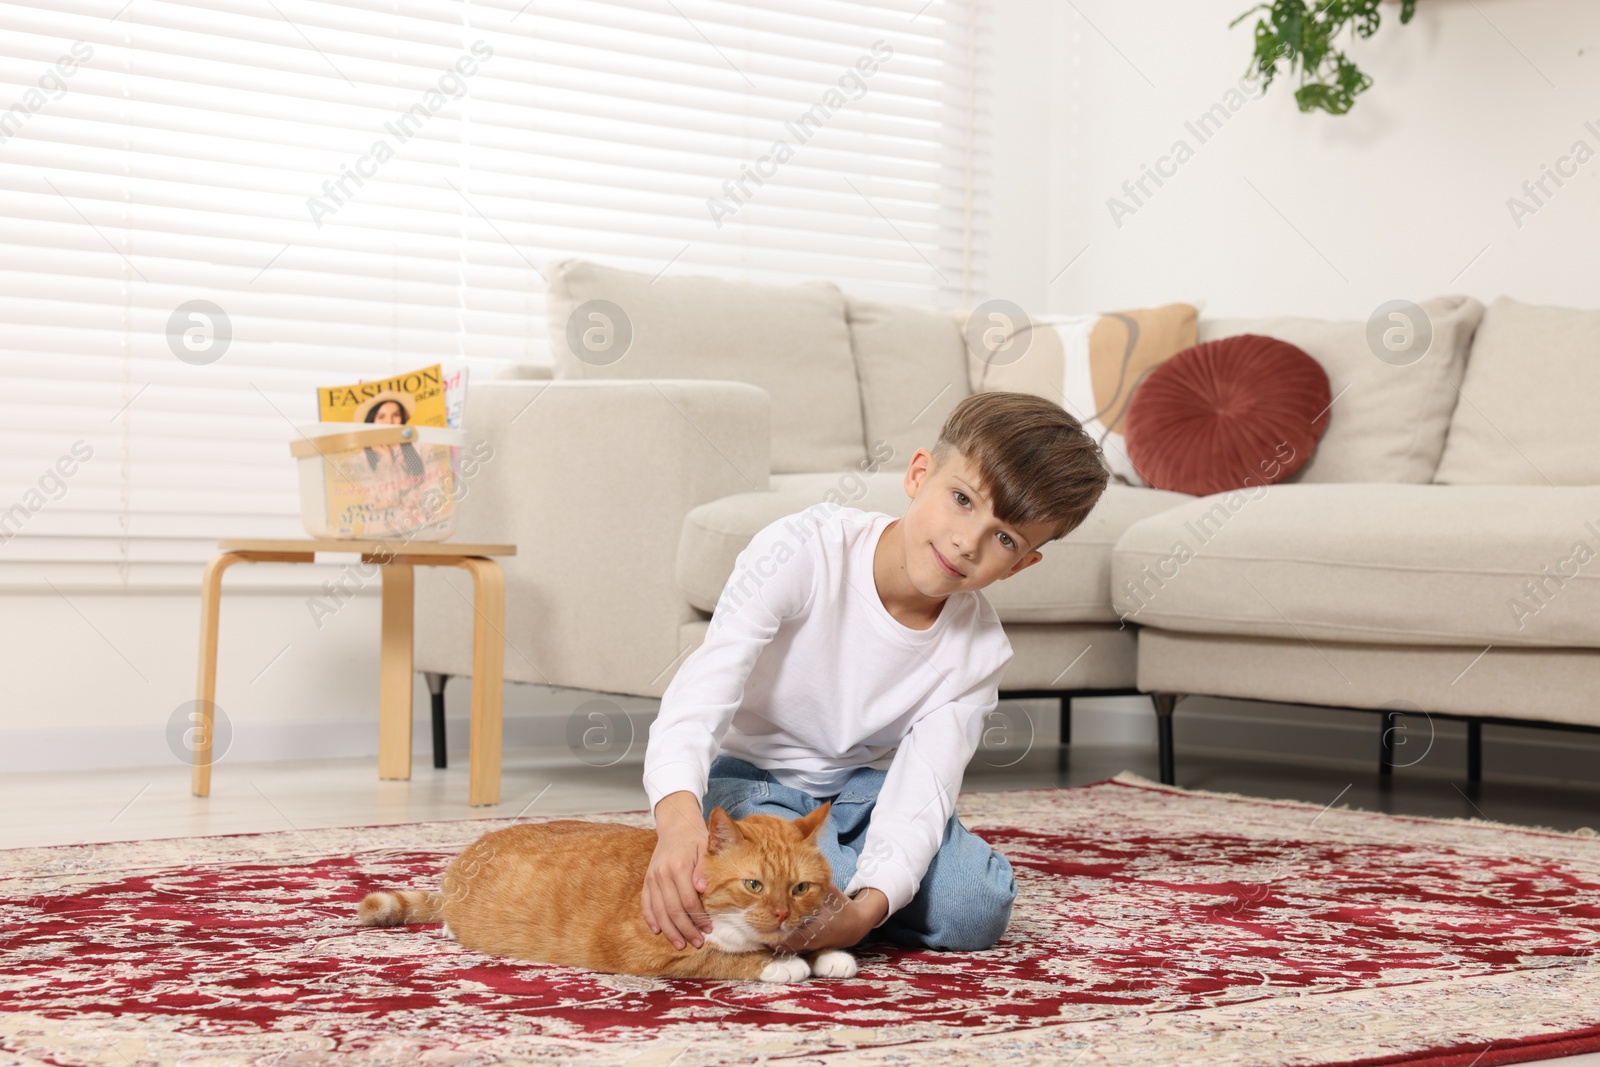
x: 949, y: 522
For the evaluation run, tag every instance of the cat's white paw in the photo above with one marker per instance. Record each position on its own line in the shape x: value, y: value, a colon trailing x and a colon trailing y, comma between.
x: 786, y: 969
x: 834, y: 963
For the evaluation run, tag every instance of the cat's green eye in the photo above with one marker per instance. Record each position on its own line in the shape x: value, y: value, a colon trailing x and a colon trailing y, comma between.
x: 752, y: 885
x: 801, y: 888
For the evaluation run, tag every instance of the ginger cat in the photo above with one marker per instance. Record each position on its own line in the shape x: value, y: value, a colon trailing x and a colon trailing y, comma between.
x: 568, y: 892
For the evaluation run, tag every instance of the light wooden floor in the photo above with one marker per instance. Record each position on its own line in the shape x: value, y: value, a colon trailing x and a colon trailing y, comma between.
x: 128, y: 804
x: 63, y: 808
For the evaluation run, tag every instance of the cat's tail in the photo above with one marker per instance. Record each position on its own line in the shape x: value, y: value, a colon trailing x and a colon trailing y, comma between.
x: 391, y: 908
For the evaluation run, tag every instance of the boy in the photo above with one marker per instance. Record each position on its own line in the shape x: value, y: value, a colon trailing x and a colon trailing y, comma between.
x: 852, y: 658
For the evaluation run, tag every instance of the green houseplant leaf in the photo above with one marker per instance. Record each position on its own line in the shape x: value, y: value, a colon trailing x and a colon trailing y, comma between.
x: 1302, y: 36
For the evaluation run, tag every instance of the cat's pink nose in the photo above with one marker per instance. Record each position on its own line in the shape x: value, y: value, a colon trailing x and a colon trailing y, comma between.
x: 781, y: 915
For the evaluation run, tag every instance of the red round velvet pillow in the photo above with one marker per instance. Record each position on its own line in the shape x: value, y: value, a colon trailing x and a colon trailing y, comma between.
x: 1227, y: 414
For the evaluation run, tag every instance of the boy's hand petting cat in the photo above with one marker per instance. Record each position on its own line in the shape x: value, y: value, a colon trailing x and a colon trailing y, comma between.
x: 842, y: 921
x: 670, y: 899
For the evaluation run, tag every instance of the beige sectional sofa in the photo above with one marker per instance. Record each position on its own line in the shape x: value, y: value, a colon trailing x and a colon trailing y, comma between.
x: 1437, y: 554
x: 686, y: 413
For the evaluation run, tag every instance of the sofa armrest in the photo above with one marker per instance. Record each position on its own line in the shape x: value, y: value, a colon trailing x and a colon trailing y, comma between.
x: 591, y: 480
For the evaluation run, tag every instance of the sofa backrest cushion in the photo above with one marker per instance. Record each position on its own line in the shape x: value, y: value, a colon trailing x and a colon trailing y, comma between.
x: 1389, y: 415
x: 912, y: 364
x: 791, y: 340
x: 1527, y: 415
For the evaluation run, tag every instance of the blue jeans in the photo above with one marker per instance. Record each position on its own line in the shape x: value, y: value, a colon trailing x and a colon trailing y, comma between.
x: 964, y: 901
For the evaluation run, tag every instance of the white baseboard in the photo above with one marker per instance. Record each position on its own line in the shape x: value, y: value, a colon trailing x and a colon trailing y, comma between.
x: 81, y: 748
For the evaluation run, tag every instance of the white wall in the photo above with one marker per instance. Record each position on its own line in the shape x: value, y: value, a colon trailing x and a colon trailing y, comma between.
x: 1404, y: 197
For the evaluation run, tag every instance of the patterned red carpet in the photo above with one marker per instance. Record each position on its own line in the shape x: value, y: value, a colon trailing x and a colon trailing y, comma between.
x: 1153, y: 926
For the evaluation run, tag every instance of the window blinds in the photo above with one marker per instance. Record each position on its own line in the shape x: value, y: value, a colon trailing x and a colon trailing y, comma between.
x: 212, y: 206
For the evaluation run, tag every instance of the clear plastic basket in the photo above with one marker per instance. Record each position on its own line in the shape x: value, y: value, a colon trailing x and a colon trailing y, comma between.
x: 369, y: 483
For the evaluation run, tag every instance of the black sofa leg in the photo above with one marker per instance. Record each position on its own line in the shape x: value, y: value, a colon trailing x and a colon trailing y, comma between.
x: 1474, y: 755
x: 1165, y: 703
x: 441, y: 758
x: 1066, y: 733
x: 1386, y: 745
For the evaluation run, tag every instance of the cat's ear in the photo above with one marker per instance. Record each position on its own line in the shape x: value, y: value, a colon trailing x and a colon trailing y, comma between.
x: 810, y: 824
x: 724, y: 832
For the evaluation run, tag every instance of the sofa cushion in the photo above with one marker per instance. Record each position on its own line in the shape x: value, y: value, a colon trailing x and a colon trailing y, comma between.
x: 1089, y: 364
x: 1070, y: 584
x: 912, y: 365
x: 790, y: 340
x: 1527, y: 415
x: 1389, y: 564
x: 1388, y: 419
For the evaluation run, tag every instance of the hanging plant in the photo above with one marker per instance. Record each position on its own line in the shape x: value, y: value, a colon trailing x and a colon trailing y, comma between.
x: 1292, y: 31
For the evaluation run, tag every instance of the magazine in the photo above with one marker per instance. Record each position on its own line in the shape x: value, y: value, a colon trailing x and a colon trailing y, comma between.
x: 455, y: 394
x: 415, y: 397
x: 399, y: 490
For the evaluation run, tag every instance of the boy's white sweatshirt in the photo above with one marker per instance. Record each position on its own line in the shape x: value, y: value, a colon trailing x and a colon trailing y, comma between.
x: 804, y: 673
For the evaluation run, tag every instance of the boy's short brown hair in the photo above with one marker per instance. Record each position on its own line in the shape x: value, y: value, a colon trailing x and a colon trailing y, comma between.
x: 1036, y: 461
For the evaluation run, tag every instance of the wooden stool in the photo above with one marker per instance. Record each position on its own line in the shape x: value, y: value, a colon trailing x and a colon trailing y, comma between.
x: 395, y: 673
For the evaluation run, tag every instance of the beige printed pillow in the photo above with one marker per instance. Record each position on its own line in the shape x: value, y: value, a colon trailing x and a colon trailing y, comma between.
x: 1089, y: 364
